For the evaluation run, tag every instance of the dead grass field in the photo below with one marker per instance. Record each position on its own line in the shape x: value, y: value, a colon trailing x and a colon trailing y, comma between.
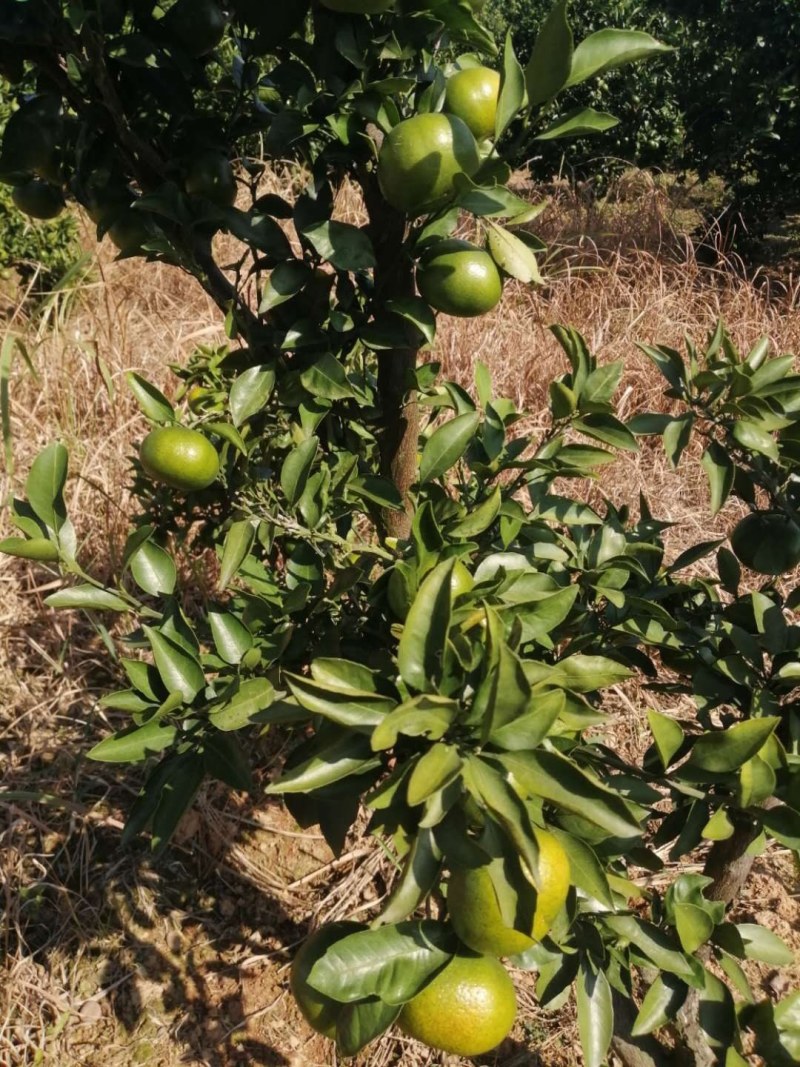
x: 109, y: 960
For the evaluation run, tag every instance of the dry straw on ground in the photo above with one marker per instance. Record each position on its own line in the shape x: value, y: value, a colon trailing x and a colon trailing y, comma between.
x: 109, y: 961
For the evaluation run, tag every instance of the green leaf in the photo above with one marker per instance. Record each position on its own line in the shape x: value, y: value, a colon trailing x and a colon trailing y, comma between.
x: 250, y: 393
x: 694, y: 925
x: 720, y: 472
x: 554, y: 778
x: 761, y: 944
x: 360, y: 1023
x: 345, y: 246
x: 595, y: 1014
x: 134, y: 745
x: 231, y: 637
x: 783, y: 823
x: 439, y: 766
x: 296, y: 468
x: 252, y: 696
x: 585, y: 674
x: 752, y: 438
x: 346, y: 755
x: 723, y: 751
x: 447, y: 445
x: 512, y: 90
x: 238, y: 542
x: 421, y: 652
x: 420, y: 872
x: 550, y: 64
x: 341, y: 704
x: 416, y: 311
x: 424, y: 716
x: 586, y: 870
x: 177, y: 795
x: 285, y: 281
x: 326, y: 379
x: 87, y: 598
x: 608, y: 429
x: 180, y: 671
x: 35, y: 548
x: 663, y: 1001
x: 656, y: 947
x: 45, y: 486
x: 153, y: 569
x: 578, y: 123
x: 529, y: 729
x: 151, y: 400
x: 512, y: 255
x: 391, y: 962
x: 225, y: 761
x: 480, y: 518
x: 668, y: 735
x: 717, y: 1013
x: 608, y: 49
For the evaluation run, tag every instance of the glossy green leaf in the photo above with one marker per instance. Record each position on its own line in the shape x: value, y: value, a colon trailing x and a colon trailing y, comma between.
x: 34, y: 548
x: 435, y: 769
x: 512, y: 90
x: 421, y: 652
x: 231, y: 637
x: 783, y: 823
x: 346, y: 247
x: 662, y: 1002
x: 556, y: 779
x: 578, y: 123
x: 480, y: 518
x: 752, y: 438
x: 225, y: 760
x: 656, y: 947
x: 177, y: 795
x: 252, y: 696
x: 512, y: 255
x: 668, y: 735
x: 527, y: 730
x: 550, y: 64
x: 250, y: 393
x: 360, y: 1023
x: 391, y: 962
x: 720, y: 472
x: 723, y: 751
x: 420, y: 873
x: 135, y: 745
x: 608, y: 429
x: 717, y: 1013
x: 180, y: 671
x: 609, y: 49
x: 595, y: 1014
x: 447, y: 445
x: 761, y: 944
x: 326, y: 379
x: 296, y: 469
x: 586, y: 870
x: 87, y: 598
x: 150, y: 399
x: 346, y: 755
x: 153, y: 569
x: 423, y: 716
x: 341, y: 704
x: 45, y: 486
x: 585, y: 674
x: 236, y: 547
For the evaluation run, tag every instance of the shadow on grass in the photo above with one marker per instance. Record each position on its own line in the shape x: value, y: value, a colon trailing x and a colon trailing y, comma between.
x: 112, y: 957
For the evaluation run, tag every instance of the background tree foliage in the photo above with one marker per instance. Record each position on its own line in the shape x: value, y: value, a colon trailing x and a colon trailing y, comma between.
x: 727, y: 103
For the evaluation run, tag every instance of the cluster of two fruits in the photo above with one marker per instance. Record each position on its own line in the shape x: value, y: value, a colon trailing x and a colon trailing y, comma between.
x: 470, y: 1005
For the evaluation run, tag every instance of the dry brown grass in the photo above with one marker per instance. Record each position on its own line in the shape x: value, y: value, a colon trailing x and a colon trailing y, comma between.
x: 109, y: 961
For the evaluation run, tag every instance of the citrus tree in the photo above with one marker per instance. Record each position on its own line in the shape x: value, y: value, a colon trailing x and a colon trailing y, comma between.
x: 402, y: 581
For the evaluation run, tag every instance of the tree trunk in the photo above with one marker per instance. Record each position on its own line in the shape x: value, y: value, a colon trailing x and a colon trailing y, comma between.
x: 399, y: 433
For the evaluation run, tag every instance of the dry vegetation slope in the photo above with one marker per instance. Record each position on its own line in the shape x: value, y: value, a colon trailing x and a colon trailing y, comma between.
x: 109, y: 961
